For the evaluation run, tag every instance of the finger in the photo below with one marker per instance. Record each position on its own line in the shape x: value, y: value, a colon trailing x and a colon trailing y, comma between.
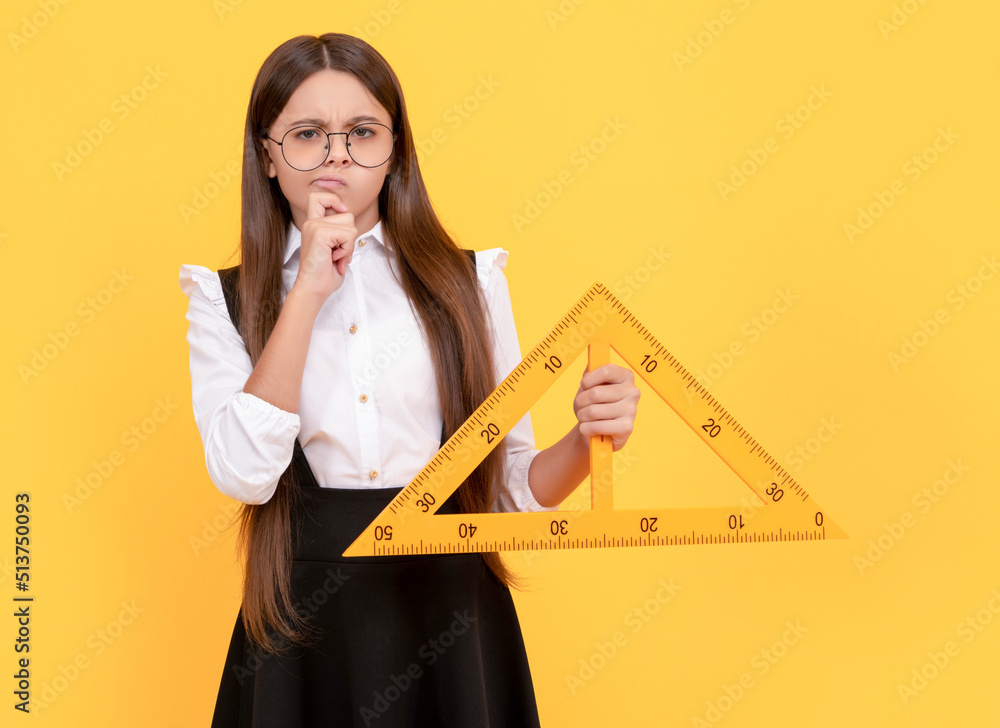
x: 347, y: 243
x: 339, y: 251
x: 343, y: 251
x: 607, y: 412
x: 617, y: 429
x: 325, y: 203
x: 607, y: 374
x: 606, y: 393
x: 331, y: 221
x: 603, y: 393
x: 334, y: 235
x: 342, y: 241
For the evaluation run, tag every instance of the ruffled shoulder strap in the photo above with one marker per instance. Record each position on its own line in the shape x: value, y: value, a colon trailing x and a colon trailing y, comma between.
x: 204, y: 279
x: 486, y: 260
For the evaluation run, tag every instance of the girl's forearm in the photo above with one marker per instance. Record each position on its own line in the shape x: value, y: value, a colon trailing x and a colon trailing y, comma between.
x: 557, y: 470
x: 277, y: 378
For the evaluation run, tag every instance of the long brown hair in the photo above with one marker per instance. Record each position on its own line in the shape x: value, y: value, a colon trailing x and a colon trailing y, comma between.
x: 436, y: 276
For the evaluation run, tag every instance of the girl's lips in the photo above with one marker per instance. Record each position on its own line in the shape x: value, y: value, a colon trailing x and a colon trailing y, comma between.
x: 329, y: 184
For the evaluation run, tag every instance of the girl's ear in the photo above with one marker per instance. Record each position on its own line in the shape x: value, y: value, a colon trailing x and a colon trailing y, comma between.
x: 268, y: 164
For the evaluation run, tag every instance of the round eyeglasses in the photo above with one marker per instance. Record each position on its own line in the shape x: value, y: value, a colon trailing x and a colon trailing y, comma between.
x: 307, y: 147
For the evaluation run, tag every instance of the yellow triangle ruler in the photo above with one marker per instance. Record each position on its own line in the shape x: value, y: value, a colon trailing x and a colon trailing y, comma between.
x: 778, y: 509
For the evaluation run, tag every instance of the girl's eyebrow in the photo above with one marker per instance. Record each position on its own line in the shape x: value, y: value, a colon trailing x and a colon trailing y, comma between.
x: 320, y: 122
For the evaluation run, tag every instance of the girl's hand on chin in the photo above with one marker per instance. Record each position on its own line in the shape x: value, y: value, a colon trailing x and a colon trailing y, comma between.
x: 328, y: 236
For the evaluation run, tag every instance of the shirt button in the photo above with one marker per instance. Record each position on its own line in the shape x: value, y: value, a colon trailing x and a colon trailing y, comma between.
x: 373, y: 474
x: 363, y: 397
x: 362, y: 243
x: 353, y: 329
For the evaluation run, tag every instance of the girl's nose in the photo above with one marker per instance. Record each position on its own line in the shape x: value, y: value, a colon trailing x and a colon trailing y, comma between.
x: 338, y: 148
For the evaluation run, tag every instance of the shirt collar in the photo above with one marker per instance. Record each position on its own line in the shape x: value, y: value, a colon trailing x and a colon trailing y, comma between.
x: 294, y: 240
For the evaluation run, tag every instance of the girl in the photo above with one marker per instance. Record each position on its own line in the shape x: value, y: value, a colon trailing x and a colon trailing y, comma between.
x: 327, y: 368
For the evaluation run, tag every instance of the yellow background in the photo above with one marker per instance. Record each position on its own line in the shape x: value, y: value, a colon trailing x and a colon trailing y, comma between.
x: 549, y: 77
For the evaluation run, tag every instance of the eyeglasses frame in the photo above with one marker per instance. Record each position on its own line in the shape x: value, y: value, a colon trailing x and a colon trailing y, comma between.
x: 329, y: 146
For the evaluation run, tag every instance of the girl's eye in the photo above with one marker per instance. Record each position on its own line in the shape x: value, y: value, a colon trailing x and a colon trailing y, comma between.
x: 363, y: 132
x: 308, y: 134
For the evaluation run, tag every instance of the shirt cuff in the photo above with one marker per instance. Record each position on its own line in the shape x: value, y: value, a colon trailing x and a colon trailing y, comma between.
x: 260, y: 415
x: 255, y: 450
x: 518, y: 496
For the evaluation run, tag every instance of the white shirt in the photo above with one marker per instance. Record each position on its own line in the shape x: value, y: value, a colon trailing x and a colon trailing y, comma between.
x: 369, y: 413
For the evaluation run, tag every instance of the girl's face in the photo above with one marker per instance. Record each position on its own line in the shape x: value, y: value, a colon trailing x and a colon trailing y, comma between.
x: 336, y: 101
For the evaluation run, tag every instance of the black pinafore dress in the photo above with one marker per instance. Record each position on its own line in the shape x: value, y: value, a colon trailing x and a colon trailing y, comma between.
x: 405, y: 640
